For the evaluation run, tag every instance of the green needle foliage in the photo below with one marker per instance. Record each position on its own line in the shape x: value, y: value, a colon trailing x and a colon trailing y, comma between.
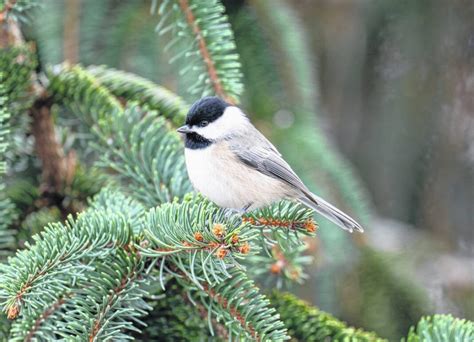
x: 193, y: 240
x: 138, y: 89
x: 7, y: 209
x: 109, y: 199
x: 306, y: 323
x: 103, y: 306
x: 17, y: 64
x: 282, y: 227
x: 87, y: 279
x: 84, y: 96
x: 237, y: 303
x: 204, y: 39
x: 57, y: 254
x: 440, y: 328
x: 174, y: 306
x: 147, y: 252
x: 197, y: 237
x: 140, y: 147
x: 142, y: 150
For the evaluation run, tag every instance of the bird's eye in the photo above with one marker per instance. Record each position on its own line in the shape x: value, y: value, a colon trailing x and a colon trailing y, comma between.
x: 203, y: 123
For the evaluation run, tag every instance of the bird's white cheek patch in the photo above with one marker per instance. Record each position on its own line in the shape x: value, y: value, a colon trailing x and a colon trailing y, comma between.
x: 211, y: 132
x: 232, y: 119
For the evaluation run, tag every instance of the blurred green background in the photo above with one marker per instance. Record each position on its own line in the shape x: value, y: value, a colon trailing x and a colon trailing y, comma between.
x: 371, y: 101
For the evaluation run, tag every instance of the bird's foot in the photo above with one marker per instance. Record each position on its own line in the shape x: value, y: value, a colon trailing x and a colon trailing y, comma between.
x: 229, y: 212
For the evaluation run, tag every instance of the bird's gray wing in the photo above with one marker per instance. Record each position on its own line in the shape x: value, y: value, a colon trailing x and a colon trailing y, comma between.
x: 258, y: 153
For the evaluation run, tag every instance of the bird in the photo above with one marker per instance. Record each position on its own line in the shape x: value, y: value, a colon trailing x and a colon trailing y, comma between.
x: 231, y: 163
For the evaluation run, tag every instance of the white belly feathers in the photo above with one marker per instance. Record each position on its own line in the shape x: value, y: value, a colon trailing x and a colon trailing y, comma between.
x: 216, y: 173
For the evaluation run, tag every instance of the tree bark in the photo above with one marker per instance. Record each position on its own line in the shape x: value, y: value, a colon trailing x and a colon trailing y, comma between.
x: 57, y: 169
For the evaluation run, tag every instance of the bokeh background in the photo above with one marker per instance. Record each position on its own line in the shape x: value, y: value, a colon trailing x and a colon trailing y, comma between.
x: 371, y: 101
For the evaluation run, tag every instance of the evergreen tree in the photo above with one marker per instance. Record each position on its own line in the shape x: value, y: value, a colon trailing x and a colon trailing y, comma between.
x: 128, y: 251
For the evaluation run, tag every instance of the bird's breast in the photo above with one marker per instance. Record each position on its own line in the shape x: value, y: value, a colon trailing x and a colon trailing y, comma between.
x: 217, y: 173
x: 210, y: 171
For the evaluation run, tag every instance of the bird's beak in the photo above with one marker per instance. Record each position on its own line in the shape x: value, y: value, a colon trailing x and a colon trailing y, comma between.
x: 184, y: 129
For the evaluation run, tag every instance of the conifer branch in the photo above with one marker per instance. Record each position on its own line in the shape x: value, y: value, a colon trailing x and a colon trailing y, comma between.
x: 44, y: 316
x: 206, y: 56
x: 85, y: 97
x: 224, y: 303
x: 282, y: 265
x: 114, y: 201
x: 7, y: 213
x: 307, y: 323
x: 146, y: 153
x: 284, y: 223
x: 110, y: 302
x: 50, y: 152
x: 284, y: 215
x: 221, y: 331
x: 282, y: 227
x: 441, y: 328
x: 138, y: 146
x: 134, y: 88
x: 242, y: 308
x: 58, y: 259
x: 197, y: 238
x: 210, y: 49
x: 90, y: 260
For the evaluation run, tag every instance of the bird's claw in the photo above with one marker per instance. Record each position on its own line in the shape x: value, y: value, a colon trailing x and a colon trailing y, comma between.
x: 229, y: 212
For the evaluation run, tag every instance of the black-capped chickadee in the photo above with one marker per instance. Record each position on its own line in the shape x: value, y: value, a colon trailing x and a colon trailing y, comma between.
x: 231, y: 163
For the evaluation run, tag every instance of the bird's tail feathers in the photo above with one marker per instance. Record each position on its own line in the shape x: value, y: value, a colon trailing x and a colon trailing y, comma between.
x: 330, y: 212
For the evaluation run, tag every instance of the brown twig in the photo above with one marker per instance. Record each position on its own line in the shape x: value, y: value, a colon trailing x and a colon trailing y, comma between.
x: 57, y: 169
x: 50, y: 152
x: 221, y: 249
x: 129, y: 277
x: 41, y: 318
x: 14, y: 310
x: 222, y: 301
x: 211, y: 69
x: 221, y: 330
x: 7, y: 8
x: 10, y: 34
x: 309, y: 225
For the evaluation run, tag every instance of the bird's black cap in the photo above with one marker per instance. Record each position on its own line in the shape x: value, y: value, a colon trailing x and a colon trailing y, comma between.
x: 208, y: 108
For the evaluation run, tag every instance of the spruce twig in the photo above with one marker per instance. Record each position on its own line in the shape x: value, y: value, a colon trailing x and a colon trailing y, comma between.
x: 208, y: 46
x: 206, y: 56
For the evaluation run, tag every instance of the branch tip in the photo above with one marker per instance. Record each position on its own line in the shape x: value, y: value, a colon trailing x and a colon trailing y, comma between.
x: 204, y: 51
